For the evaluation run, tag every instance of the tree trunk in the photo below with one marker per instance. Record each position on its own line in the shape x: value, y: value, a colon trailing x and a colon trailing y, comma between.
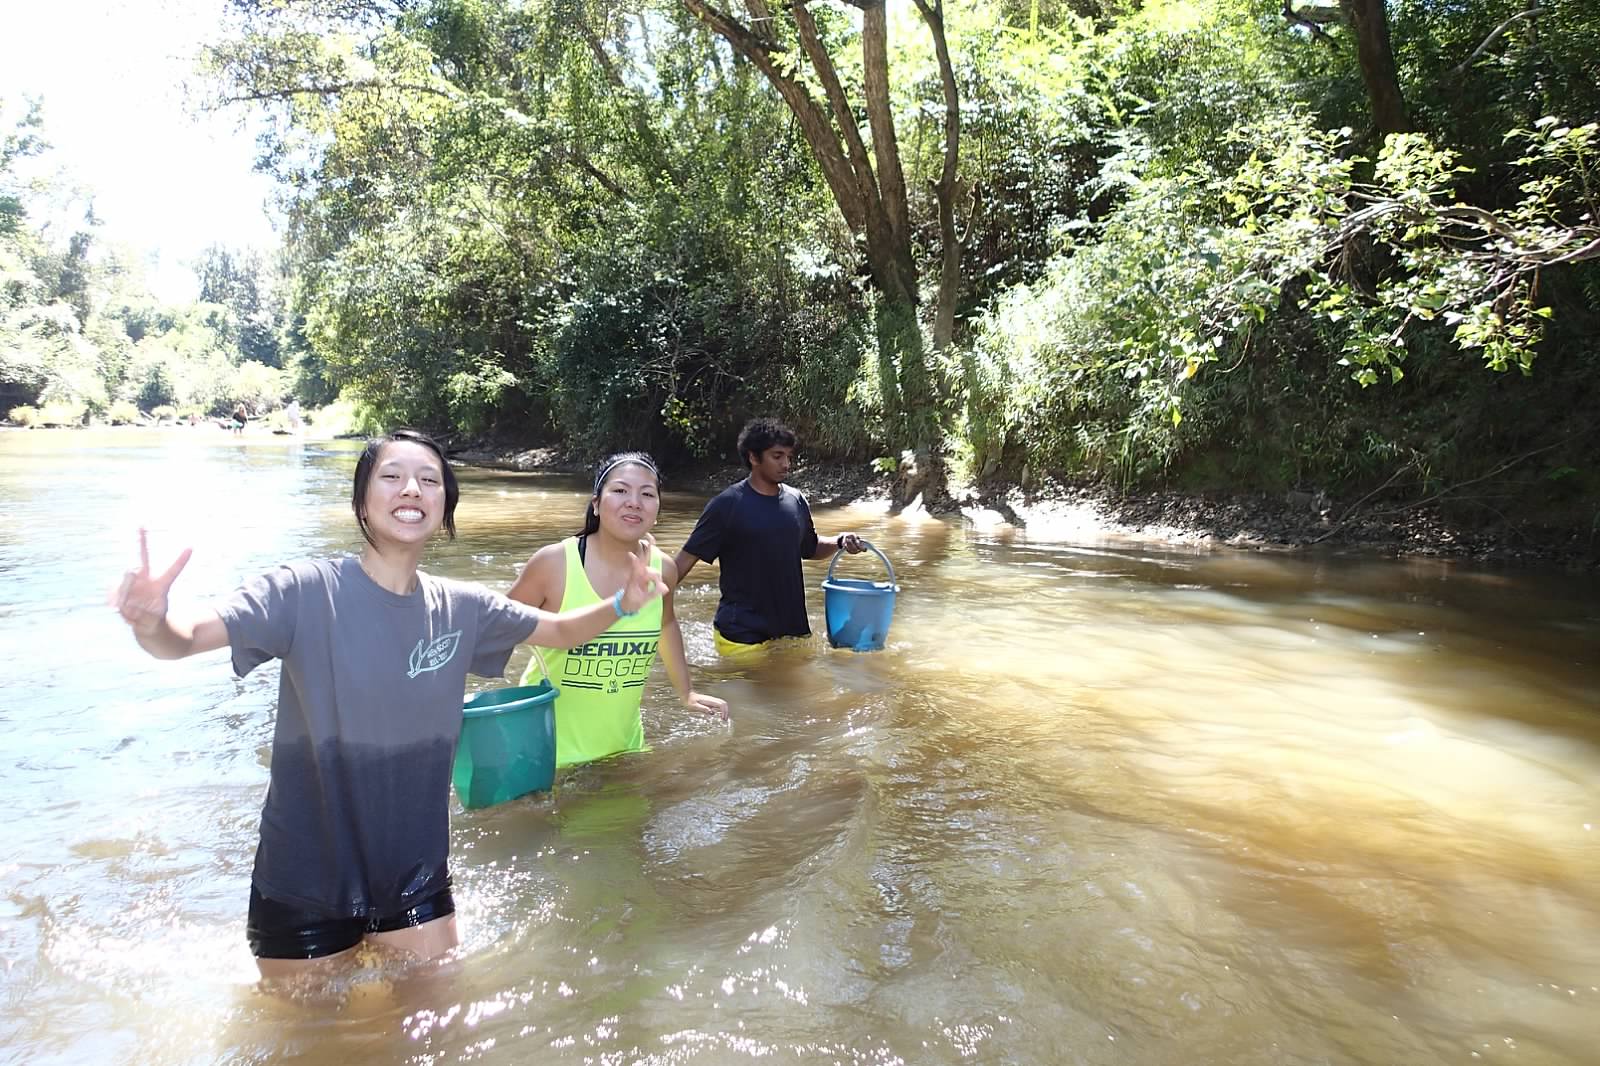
x: 908, y: 401
x: 649, y: 141
x: 944, y: 190
x: 1370, y: 21
x: 885, y: 145
x: 870, y: 192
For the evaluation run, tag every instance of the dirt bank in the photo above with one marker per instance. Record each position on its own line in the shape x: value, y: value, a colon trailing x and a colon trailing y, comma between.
x: 1290, y: 522
x: 825, y: 484
x: 1068, y: 512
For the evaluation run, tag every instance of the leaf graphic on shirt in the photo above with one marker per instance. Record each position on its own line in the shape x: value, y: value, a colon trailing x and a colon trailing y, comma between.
x: 427, y: 657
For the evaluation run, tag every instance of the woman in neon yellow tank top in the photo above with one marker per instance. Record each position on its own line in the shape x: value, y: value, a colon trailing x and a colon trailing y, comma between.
x: 602, y: 681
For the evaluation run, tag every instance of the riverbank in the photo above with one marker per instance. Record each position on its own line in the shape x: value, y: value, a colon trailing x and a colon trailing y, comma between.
x: 1074, y: 512
x: 1061, y: 512
x: 1292, y: 522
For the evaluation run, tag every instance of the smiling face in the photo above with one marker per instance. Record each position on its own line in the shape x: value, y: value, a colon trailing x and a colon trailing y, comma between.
x: 628, y: 502
x: 405, y: 499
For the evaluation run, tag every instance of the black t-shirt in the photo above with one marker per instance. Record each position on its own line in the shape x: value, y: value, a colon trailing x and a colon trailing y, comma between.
x: 760, y: 540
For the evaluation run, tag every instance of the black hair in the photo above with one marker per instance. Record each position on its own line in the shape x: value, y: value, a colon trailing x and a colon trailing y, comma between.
x: 369, y: 459
x: 591, y: 517
x: 759, y: 434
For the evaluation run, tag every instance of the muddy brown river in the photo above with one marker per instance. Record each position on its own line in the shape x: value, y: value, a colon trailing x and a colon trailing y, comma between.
x: 1095, y: 803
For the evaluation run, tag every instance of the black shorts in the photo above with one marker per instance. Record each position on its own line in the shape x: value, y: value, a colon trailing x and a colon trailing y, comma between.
x: 283, y: 931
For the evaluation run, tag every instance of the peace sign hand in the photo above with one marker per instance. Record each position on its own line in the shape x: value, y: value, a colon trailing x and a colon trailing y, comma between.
x: 643, y: 585
x: 141, y: 599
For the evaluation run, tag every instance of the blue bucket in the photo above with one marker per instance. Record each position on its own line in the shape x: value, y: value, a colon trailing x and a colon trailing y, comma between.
x: 508, y: 745
x: 859, y: 612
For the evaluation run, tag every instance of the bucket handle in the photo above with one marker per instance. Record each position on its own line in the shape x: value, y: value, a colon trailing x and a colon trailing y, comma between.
x: 543, y: 668
x: 867, y: 544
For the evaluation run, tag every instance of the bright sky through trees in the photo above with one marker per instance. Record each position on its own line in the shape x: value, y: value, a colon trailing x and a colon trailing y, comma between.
x: 112, y: 75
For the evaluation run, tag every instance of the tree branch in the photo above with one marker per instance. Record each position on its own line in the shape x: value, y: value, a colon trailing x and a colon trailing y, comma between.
x: 1316, y: 31
x: 1499, y: 469
x: 813, y: 121
x: 1503, y: 466
x: 605, y: 180
x: 761, y: 15
x: 733, y: 31
x: 335, y: 89
x: 1588, y: 251
x: 944, y: 189
x: 1348, y: 511
x: 844, y: 118
x: 516, y: 117
x: 881, y: 193
x: 1532, y: 11
x: 641, y: 122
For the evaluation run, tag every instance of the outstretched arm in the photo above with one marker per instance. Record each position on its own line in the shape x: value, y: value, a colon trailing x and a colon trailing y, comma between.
x: 142, y: 600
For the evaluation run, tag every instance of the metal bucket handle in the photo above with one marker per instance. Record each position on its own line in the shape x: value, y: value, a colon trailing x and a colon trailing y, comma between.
x: 867, y: 544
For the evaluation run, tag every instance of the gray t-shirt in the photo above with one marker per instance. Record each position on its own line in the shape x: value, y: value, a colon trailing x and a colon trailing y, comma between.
x: 356, y: 822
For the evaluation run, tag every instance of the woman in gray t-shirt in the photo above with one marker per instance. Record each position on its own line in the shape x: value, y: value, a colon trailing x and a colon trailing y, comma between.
x: 374, y: 658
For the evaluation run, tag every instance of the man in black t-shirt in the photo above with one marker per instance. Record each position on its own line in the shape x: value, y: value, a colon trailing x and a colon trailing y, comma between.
x: 760, y: 529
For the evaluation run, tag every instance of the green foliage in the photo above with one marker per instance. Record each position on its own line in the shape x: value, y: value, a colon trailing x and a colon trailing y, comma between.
x: 1102, y: 367
x: 239, y: 282
x: 475, y: 394
x: 345, y: 417
x: 22, y: 139
x: 193, y: 363
x: 255, y: 385
x: 827, y: 387
x: 123, y: 414
x: 1471, y: 268
x: 1467, y: 88
x: 62, y: 413
x: 77, y: 328
x: 1029, y: 135
x: 504, y: 232
x: 1185, y: 257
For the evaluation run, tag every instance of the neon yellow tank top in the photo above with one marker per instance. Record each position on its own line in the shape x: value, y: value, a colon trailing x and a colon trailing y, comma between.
x: 600, y: 684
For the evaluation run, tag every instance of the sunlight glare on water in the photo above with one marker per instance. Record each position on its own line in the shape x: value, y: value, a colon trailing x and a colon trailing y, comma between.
x: 1094, y: 803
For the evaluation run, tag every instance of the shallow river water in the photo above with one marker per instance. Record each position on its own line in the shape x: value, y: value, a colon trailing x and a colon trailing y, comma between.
x: 1095, y: 803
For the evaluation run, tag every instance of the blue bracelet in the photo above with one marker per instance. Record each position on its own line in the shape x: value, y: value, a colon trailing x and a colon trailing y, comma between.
x: 616, y: 605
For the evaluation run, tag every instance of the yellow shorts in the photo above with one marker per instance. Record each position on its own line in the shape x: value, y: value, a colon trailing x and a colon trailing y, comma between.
x: 732, y: 648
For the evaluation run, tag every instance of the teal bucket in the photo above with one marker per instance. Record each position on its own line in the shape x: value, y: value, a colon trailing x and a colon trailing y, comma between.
x: 508, y: 745
x: 858, y: 612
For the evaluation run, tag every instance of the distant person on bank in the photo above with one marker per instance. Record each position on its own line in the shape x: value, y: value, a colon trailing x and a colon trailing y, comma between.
x: 601, y: 682
x: 760, y: 529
